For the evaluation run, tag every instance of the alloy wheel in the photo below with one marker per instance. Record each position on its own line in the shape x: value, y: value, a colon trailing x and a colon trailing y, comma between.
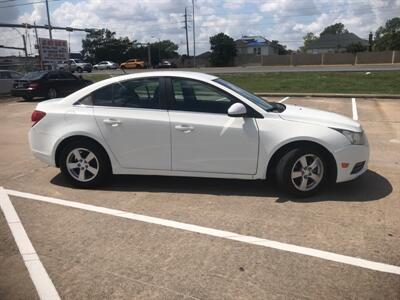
x: 82, y: 164
x: 307, y: 172
x: 52, y: 93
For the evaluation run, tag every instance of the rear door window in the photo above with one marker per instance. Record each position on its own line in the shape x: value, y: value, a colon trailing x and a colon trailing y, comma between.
x: 136, y: 93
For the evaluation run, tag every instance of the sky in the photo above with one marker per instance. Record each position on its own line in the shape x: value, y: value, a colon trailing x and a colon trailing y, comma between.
x: 149, y: 20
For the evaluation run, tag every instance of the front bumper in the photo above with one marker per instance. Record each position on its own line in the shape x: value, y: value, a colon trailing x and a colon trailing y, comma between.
x: 25, y: 93
x: 351, y: 161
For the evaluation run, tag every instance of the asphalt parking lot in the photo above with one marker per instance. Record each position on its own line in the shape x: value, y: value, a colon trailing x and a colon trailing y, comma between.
x: 99, y: 255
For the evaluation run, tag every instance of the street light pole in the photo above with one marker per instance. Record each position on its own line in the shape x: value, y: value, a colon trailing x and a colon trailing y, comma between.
x: 194, y: 39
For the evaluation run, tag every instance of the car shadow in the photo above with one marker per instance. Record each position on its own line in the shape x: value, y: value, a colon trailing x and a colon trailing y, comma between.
x: 368, y: 187
x: 37, y: 99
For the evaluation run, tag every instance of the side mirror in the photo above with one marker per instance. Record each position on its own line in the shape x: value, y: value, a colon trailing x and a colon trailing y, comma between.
x: 237, y: 110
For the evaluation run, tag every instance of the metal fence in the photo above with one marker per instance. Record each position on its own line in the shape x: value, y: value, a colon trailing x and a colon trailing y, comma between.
x: 302, y: 59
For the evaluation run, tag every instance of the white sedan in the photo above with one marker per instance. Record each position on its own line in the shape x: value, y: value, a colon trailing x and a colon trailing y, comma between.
x: 105, y: 65
x: 192, y: 124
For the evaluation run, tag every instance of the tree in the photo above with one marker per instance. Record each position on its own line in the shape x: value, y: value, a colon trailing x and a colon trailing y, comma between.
x: 281, y: 48
x: 223, y: 50
x: 163, y: 50
x: 337, y: 28
x: 356, y: 47
x: 388, y: 37
x: 308, y: 38
x: 102, y: 44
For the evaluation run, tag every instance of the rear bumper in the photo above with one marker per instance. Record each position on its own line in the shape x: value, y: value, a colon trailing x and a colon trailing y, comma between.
x: 41, y: 146
x: 351, y: 161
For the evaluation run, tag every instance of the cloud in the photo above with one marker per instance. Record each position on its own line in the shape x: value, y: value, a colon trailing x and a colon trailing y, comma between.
x: 149, y: 20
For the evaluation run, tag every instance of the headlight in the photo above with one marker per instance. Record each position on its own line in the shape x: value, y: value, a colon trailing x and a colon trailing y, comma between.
x: 355, y: 138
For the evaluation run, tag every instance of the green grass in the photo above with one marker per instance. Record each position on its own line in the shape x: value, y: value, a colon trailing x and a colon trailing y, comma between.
x: 312, y: 82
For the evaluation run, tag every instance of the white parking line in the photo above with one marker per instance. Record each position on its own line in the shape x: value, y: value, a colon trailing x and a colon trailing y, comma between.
x: 349, y: 260
x: 284, y: 99
x: 43, y: 284
x: 354, y: 108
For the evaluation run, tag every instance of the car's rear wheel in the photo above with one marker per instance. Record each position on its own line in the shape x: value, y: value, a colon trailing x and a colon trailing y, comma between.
x: 27, y: 98
x: 52, y: 93
x: 79, y: 70
x: 84, y: 164
x: 302, y: 172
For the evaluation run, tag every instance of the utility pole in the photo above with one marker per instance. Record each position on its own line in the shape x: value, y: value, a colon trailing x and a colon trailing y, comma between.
x: 38, y: 46
x: 194, y: 38
x: 24, y: 41
x: 48, y: 19
x: 186, y: 29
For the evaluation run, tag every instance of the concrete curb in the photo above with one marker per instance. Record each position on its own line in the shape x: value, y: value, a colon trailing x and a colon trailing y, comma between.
x: 330, y: 95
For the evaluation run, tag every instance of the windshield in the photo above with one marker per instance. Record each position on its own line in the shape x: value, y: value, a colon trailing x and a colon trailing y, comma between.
x: 78, y: 61
x: 250, y: 96
x: 34, y: 75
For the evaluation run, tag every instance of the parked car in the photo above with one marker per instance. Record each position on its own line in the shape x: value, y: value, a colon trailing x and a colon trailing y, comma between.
x: 198, y: 125
x: 72, y: 65
x: 7, y: 78
x: 47, y: 84
x: 165, y: 64
x: 105, y: 65
x: 133, y: 64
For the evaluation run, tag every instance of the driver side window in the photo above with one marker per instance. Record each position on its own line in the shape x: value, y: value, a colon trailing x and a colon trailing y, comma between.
x: 196, y: 96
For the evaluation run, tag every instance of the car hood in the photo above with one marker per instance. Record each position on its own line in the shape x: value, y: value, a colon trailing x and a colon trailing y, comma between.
x: 319, y: 117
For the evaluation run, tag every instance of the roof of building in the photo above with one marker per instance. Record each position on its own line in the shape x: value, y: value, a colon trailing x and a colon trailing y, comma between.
x: 328, y: 41
x: 252, y: 41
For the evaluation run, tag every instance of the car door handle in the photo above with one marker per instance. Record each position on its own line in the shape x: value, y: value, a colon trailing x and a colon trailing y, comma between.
x: 184, y: 128
x: 112, y: 122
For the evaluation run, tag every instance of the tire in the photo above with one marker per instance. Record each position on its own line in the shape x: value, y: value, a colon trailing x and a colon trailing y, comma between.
x: 123, y: 67
x: 79, y: 70
x: 52, y: 93
x: 89, y: 71
x: 95, y: 68
x: 79, y: 172
x: 294, y: 175
x: 27, y: 98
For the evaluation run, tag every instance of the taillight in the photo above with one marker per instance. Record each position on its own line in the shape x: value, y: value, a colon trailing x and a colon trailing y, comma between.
x: 33, y: 85
x: 37, y: 115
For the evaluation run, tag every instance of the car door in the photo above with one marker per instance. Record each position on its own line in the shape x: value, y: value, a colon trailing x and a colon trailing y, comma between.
x: 134, y: 122
x: 204, y: 137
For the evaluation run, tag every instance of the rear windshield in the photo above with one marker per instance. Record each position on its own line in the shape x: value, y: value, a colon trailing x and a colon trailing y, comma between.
x: 34, y: 75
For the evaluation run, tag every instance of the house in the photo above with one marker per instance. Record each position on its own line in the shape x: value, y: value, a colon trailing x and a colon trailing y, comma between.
x: 333, y: 43
x: 257, y: 45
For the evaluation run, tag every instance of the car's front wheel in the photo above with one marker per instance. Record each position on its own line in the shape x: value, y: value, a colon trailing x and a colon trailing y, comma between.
x: 302, y: 172
x: 84, y: 164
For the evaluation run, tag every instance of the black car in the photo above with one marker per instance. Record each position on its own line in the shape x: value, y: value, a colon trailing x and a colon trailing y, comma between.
x: 47, y: 84
x: 165, y: 64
